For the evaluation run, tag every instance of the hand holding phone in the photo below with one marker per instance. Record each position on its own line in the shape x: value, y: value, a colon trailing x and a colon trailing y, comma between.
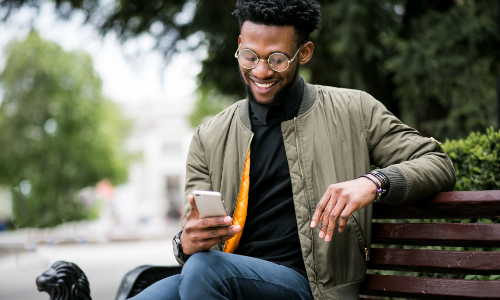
x: 201, y: 234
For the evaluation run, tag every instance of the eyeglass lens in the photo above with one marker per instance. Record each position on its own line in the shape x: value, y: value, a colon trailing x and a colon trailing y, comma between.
x: 277, y: 61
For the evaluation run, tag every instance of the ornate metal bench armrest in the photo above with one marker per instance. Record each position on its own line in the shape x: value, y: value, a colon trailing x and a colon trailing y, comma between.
x: 138, y: 279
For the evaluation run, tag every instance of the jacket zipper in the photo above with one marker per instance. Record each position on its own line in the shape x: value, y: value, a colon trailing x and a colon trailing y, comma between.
x: 244, y: 161
x: 307, y: 199
x: 367, y: 257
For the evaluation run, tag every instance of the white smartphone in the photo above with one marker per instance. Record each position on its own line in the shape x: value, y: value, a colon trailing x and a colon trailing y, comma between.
x: 210, y: 204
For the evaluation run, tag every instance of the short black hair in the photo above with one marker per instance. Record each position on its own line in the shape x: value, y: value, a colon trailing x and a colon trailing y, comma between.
x: 303, y: 15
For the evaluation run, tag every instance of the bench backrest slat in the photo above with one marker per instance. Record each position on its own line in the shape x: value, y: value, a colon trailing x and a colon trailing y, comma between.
x: 431, y: 288
x: 437, y: 234
x: 436, y: 261
x: 448, y: 205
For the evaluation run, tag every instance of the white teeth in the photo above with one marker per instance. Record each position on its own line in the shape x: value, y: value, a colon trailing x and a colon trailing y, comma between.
x: 264, y: 85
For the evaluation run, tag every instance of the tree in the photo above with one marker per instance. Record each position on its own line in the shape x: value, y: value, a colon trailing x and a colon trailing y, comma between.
x: 433, y: 63
x: 446, y: 67
x: 58, y: 133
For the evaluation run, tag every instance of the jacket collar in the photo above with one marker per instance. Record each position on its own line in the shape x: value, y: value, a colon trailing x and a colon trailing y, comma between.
x: 308, y: 99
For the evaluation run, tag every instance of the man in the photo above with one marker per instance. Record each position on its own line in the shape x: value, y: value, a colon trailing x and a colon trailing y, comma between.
x: 289, y: 157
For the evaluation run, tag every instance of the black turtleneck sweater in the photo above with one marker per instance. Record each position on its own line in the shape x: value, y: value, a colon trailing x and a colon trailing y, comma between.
x: 270, y: 231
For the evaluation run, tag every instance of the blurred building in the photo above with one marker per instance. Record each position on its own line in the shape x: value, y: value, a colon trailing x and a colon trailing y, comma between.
x: 159, y: 140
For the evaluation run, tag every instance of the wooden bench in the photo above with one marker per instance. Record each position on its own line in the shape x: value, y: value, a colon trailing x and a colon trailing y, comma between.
x: 450, y: 205
x: 395, y: 231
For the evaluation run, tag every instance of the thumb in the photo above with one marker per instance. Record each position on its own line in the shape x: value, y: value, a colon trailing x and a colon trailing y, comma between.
x: 194, y: 209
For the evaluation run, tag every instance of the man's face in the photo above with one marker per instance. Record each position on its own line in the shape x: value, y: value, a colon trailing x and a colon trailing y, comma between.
x: 263, y: 82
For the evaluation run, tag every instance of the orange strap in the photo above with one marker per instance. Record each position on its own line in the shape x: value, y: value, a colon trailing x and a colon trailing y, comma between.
x: 240, y: 213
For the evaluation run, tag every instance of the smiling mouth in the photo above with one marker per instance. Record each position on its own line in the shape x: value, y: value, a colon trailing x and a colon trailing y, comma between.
x: 263, y: 88
x: 264, y: 85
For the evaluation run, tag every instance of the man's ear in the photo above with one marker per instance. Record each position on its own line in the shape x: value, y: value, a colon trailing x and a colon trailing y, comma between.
x: 239, y: 40
x: 306, y: 53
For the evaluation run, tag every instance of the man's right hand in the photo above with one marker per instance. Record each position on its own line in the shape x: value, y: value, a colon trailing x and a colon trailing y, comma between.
x: 201, y: 234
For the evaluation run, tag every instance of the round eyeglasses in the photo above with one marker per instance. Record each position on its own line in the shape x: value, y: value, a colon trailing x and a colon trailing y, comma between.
x: 277, y: 61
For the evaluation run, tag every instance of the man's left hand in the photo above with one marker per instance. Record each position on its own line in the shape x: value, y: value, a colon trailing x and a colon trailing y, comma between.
x: 340, y: 201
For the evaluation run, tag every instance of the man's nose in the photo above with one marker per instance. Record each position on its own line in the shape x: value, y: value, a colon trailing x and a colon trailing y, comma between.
x: 262, y: 70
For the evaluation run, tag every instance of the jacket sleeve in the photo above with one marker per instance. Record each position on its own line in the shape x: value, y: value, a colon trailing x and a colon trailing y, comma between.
x: 197, y: 174
x: 416, y: 167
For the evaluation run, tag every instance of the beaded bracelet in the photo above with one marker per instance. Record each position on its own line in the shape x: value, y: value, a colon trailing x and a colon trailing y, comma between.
x: 384, y: 181
x: 380, y: 191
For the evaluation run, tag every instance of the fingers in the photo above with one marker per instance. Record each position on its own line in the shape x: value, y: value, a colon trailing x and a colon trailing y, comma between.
x: 332, y: 219
x: 210, y: 227
x: 329, y: 220
x: 318, y: 213
x: 194, y: 209
x: 215, y: 222
x: 325, y: 217
x: 218, y: 232
x: 344, y: 216
x: 199, y: 240
x: 195, y: 238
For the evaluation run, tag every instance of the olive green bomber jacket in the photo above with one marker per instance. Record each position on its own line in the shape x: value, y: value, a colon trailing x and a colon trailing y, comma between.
x: 336, y: 136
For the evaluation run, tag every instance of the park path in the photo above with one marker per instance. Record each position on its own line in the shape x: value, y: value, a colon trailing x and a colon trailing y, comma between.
x: 104, y: 263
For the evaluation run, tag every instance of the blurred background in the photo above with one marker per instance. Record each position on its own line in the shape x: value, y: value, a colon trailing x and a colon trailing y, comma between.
x: 99, y: 100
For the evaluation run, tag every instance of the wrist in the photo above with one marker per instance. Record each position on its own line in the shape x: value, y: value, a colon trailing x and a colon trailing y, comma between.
x: 380, y: 184
x: 184, y: 244
x: 382, y: 179
x: 178, y: 249
x: 376, y: 180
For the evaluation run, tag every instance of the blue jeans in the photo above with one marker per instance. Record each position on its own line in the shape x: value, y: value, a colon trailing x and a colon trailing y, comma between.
x: 219, y: 275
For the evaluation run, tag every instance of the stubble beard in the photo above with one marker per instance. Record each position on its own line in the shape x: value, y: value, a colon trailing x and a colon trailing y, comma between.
x: 278, y: 98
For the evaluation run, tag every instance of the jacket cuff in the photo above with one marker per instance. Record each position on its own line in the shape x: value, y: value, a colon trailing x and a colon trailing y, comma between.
x: 398, y: 185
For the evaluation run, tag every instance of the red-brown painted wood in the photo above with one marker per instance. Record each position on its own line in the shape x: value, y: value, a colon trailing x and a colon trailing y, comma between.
x: 429, y: 288
x: 435, y: 261
x: 446, y: 205
x: 437, y: 234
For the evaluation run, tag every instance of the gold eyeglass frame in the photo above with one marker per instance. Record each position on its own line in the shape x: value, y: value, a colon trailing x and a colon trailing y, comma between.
x: 266, y: 60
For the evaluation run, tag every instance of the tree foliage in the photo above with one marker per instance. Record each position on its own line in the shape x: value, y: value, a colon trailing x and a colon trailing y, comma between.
x: 58, y: 133
x: 433, y: 63
x: 446, y: 73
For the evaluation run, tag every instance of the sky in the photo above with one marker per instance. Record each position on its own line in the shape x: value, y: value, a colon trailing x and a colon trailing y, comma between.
x: 131, y: 72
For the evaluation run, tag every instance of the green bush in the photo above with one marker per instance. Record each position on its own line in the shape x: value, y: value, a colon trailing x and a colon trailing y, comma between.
x: 476, y: 160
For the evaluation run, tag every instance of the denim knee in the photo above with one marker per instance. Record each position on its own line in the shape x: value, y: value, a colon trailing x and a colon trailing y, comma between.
x: 201, y: 264
x: 201, y: 276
